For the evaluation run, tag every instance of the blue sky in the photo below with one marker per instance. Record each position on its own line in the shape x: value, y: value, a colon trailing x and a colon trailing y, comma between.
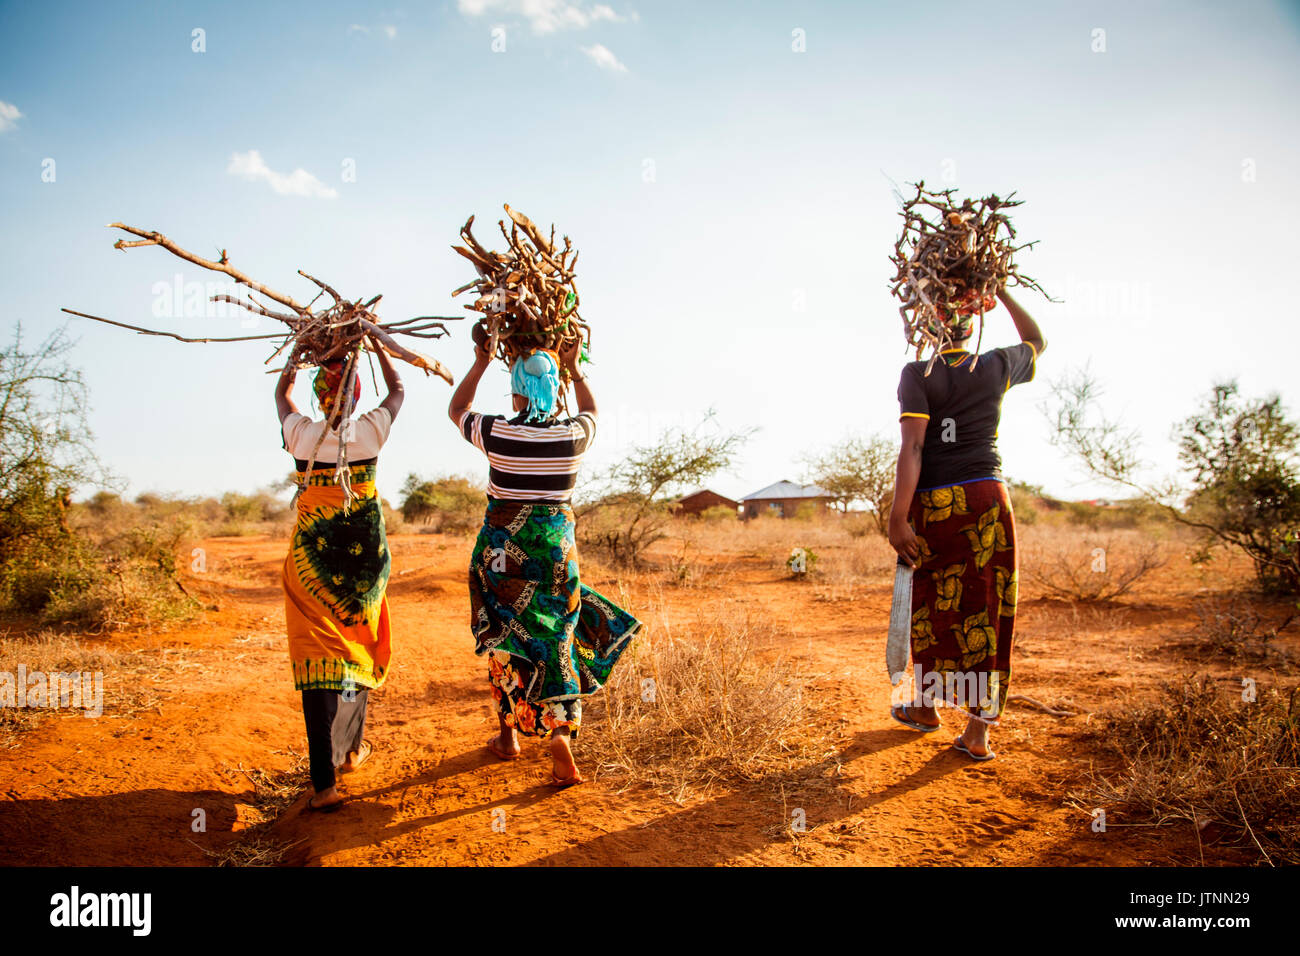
x: 731, y: 198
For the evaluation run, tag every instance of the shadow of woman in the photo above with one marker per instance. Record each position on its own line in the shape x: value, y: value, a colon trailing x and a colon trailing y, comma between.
x: 141, y: 828
x: 709, y: 833
x: 365, y: 822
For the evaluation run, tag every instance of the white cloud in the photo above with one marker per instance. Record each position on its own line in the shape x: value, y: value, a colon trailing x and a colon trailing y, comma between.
x: 390, y: 31
x: 252, y: 167
x: 603, y: 58
x: 545, y: 16
x: 9, y: 116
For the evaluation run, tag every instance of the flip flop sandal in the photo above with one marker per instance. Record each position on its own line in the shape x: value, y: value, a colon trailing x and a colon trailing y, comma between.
x: 959, y: 744
x: 328, y: 808
x: 364, y: 754
x: 563, y: 783
x: 899, y: 713
x: 498, y: 752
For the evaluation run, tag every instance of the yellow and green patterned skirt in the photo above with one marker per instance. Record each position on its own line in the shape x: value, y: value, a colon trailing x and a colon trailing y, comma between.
x: 335, y: 579
x: 964, y: 596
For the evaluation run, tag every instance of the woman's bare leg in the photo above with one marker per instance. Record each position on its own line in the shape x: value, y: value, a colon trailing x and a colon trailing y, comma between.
x: 507, y: 740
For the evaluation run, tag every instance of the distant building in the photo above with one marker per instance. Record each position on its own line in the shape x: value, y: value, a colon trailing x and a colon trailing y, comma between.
x: 783, y: 499
x: 702, y: 500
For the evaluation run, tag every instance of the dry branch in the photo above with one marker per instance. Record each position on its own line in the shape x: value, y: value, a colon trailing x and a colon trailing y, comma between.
x: 337, y: 332
x: 312, y: 337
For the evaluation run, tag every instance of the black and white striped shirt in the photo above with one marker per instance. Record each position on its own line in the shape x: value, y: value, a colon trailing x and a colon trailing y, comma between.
x: 533, y: 462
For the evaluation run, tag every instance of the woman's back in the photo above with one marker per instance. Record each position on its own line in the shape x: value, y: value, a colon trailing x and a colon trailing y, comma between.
x: 364, y: 437
x: 535, y: 461
x: 963, y: 406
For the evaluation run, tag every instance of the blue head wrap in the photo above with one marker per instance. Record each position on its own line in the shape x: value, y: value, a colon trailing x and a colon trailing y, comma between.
x: 537, y: 378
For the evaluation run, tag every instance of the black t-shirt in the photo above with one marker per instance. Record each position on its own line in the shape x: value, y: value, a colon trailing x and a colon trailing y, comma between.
x: 963, y: 406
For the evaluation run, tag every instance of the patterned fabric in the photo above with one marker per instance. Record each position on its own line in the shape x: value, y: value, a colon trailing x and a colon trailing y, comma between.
x: 964, y: 595
x: 335, y: 578
x: 550, y: 639
x: 327, y: 385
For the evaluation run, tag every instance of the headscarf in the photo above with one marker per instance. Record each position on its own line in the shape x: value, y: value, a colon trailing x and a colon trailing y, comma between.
x: 536, y: 377
x: 326, y: 386
x: 958, y: 318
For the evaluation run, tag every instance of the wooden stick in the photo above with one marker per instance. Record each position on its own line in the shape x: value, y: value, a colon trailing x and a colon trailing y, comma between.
x: 170, y: 335
x: 158, y: 239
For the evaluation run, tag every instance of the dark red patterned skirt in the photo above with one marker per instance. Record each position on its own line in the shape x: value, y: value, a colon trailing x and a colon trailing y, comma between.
x: 964, y: 596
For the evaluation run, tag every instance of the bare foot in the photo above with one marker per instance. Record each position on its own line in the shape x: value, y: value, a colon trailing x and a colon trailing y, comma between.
x: 505, y: 744
x: 564, y: 770
x: 326, y: 800
x: 506, y: 748
x: 356, y: 758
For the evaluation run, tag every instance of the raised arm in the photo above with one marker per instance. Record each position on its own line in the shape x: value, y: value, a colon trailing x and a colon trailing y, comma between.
x: 463, y: 397
x: 581, y: 390
x: 284, y: 405
x: 396, y: 393
x: 901, y: 534
x: 1025, y: 325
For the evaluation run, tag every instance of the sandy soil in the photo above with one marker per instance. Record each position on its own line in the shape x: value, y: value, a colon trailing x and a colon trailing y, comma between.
x: 122, y: 789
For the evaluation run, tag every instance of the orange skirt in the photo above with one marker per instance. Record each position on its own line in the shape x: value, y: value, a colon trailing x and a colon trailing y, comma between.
x: 335, y: 582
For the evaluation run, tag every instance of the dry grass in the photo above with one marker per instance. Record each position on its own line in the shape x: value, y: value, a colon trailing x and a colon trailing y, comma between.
x: 130, y: 677
x: 254, y: 851
x: 1063, y: 563
x: 274, y: 791
x: 1231, y: 627
x: 712, y: 703
x: 1203, y: 755
x: 848, y: 560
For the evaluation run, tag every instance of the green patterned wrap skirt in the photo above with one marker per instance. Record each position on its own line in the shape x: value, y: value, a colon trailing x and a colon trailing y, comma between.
x: 550, y: 640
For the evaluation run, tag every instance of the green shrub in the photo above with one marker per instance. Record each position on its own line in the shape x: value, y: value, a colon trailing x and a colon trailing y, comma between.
x: 450, y: 505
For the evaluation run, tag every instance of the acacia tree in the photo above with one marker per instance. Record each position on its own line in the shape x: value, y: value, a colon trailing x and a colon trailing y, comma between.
x: 1241, y: 458
x: 45, y: 449
x: 857, y: 470
x: 634, y: 497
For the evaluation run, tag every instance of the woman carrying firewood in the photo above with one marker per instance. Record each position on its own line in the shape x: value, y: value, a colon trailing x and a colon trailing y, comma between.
x: 550, y: 640
x: 336, y: 573
x: 951, y: 521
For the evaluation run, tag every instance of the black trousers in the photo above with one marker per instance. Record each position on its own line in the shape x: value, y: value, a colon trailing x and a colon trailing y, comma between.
x: 336, y: 721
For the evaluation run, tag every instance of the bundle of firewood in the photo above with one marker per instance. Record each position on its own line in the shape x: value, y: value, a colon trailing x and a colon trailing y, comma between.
x: 952, y: 259
x: 526, y: 294
x: 337, y: 331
